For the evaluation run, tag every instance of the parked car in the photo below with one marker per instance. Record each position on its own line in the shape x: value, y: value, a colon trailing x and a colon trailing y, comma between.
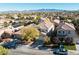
x: 12, y: 44
x: 60, y: 50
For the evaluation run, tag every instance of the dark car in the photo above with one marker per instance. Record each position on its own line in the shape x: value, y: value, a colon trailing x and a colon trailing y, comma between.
x: 60, y: 50
x: 12, y: 44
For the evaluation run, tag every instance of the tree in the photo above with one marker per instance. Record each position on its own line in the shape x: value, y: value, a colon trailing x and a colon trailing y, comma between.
x: 6, y: 24
x: 62, y: 18
x: 76, y: 24
x: 36, y: 20
x: 68, y: 40
x: 29, y: 34
x: 8, y: 16
x: 3, y: 51
x: 20, y: 16
x: 55, y: 40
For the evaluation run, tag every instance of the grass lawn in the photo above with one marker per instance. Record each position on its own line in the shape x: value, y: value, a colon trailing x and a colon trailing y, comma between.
x: 70, y: 47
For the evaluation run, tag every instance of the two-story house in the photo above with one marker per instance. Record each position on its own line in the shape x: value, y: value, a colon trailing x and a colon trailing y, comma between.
x: 65, y: 30
x: 46, y: 25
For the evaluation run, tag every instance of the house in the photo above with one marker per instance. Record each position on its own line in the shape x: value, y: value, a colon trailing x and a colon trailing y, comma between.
x: 45, y: 25
x: 56, y: 22
x: 9, y: 31
x: 15, y: 16
x: 65, y: 30
x: 17, y: 28
x: 16, y: 35
x: 6, y: 37
x: 3, y: 22
x: 1, y: 32
x: 34, y: 16
x: 2, y: 16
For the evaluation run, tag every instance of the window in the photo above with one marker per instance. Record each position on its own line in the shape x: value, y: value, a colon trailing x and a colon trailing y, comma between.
x: 63, y: 32
x: 59, y: 31
x: 68, y: 32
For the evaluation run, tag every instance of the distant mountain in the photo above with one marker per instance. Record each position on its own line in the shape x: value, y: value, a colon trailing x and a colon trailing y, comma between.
x: 38, y: 10
x: 46, y: 10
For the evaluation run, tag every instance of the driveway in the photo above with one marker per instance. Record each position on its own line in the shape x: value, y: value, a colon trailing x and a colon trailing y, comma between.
x: 26, y: 50
x: 34, y: 49
x: 76, y: 37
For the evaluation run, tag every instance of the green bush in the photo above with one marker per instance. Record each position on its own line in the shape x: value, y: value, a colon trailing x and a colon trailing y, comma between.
x: 6, y: 24
x: 3, y: 51
x: 70, y: 47
x: 36, y: 20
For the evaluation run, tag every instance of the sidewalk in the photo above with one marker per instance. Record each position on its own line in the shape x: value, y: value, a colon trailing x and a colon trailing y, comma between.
x: 25, y: 50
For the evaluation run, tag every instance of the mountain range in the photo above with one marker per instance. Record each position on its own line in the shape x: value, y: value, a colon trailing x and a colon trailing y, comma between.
x: 38, y: 10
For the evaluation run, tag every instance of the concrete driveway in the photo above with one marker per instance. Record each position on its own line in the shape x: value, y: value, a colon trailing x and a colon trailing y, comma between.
x: 26, y: 50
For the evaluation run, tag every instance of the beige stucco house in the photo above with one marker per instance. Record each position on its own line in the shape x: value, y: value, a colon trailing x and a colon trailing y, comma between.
x: 46, y: 25
x: 65, y: 30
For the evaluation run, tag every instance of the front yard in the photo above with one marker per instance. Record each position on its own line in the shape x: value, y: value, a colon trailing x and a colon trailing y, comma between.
x: 70, y: 47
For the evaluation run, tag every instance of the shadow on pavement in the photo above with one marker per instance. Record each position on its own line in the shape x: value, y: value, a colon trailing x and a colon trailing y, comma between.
x: 39, y: 45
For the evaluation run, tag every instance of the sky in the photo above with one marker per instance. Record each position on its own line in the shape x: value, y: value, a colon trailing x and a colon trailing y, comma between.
x: 32, y: 6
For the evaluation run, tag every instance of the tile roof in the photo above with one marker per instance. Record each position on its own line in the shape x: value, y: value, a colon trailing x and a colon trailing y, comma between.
x: 46, y: 24
x: 66, y: 26
x: 56, y: 21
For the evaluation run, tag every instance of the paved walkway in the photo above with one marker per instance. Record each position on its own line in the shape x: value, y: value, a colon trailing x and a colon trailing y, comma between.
x: 27, y: 50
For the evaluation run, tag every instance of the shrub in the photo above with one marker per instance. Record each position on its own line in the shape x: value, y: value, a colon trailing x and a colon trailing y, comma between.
x: 70, y: 47
x: 3, y: 51
x: 68, y: 40
x: 5, y: 24
x: 47, y: 40
x: 56, y: 40
x: 36, y: 21
x: 29, y: 34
